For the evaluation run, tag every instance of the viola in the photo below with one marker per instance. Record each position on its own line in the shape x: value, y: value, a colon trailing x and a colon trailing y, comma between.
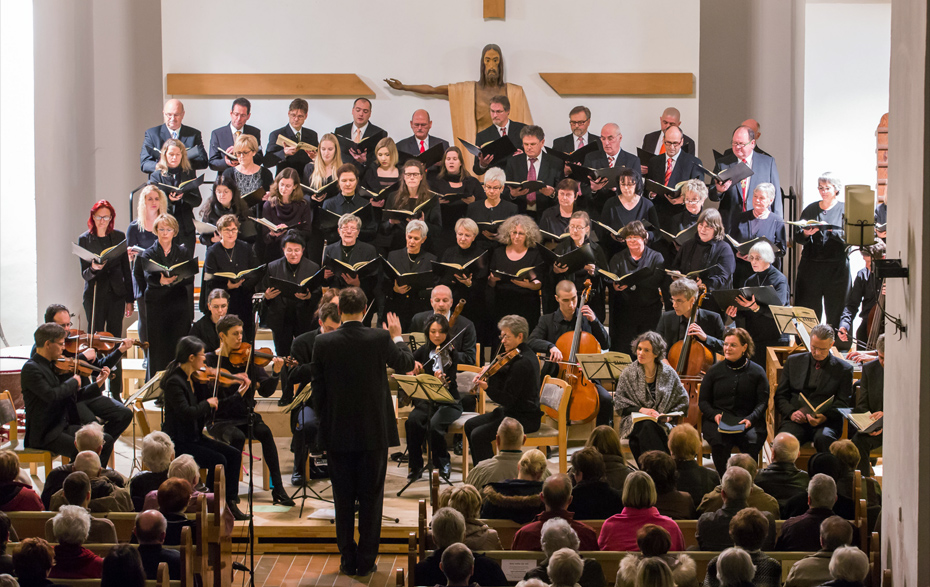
x: 78, y: 341
x: 493, y: 367
x: 585, y: 402
x: 82, y: 368
x: 260, y: 357
x: 209, y: 376
x: 692, y: 359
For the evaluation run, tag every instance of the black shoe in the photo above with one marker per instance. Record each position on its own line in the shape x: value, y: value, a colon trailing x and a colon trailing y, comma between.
x: 373, y: 569
x: 236, y: 512
x: 285, y: 401
x: 280, y: 497
x: 445, y: 471
x: 297, y: 479
x: 347, y: 571
x: 315, y: 472
x: 457, y: 445
x: 415, y: 473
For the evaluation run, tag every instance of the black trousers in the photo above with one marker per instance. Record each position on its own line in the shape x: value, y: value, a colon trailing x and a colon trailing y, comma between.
x: 358, y: 476
x: 107, y: 312
x: 823, y: 285
x: 116, y: 418
x: 416, y: 425
x: 822, y: 436
x: 648, y: 435
x: 209, y: 453
x: 482, y: 430
x: 866, y: 444
x: 237, y: 435
x: 605, y: 410
x: 722, y: 447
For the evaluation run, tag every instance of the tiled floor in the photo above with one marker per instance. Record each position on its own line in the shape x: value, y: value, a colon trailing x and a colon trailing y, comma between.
x: 272, y: 570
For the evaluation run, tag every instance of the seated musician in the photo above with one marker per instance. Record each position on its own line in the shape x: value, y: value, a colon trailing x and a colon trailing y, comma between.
x: 114, y: 415
x: 552, y: 326
x: 735, y: 390
x: 231, y: 422
x: 819, y: 376
x: 205, y: 328
x: 444, y: 366
x: 650, y: 387
x: 870, y: 399
x: 515, y: 386
x: 673, y: 325
x: 864, y: 293
x: 50, y: 397
x: 463, y: 349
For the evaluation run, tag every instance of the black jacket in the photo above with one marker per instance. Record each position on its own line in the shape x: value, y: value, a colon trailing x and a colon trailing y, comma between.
x: 835, y: 381
x: 686, y: 167
x: 185, y: 415
x: 116, y: 275
x: 870, y: 397
x: 491, y: 134
x: 274, y: 153
x: 49, y: 400
x: 595, y: 500
x: 465, y: 344
x: 710, y: 323
x: 550, y: 173
x: 651, y: 141
x: 222, y: 138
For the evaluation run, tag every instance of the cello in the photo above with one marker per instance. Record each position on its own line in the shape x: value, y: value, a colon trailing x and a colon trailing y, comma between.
x: 876, y: 319
x: 691, y: 359
x: 585, y: 402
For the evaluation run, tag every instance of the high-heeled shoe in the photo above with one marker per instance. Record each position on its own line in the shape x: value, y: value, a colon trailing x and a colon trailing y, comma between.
x: 280, y: 497
x: 236, y: 512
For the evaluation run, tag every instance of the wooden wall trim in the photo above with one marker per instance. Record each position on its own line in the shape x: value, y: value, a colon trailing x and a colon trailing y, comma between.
x: 267, y: 84
x: 495, y: 8
x: 620, y: 84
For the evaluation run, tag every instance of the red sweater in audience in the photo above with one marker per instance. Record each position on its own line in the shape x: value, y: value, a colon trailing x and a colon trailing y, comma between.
x: 619, y: 532
x: 16, y: 497
x: 73, y: 561
x: 528, y: 537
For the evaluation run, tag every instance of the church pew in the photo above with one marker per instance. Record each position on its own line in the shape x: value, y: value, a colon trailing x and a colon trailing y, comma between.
x: 163, y: 578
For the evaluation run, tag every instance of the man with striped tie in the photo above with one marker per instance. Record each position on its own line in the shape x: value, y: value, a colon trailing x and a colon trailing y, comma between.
x: 671, y: 167
x: 156, y: 136
x: 736, y: 198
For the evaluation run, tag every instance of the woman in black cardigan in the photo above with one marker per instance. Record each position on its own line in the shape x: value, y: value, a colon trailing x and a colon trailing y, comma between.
x: 734, y: 392
x: 173, y: 169
x: 108, y: 292
x: 708, y: 250
x: 186, y: 414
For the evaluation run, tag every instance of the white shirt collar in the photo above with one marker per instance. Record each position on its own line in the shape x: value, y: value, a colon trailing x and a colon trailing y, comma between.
x: 506, y: 126
x: 294, y: 130
x: 361, y: 129
x: 234, y: 130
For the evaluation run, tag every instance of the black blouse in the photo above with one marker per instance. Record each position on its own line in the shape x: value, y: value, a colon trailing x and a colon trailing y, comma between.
x: 219, y: 259
x: 501, y: 262
x: 154, y: 288
x: 739, y: 390
x: 451, y: 370
x: 696, y: 254
x: 647, y: 292
x: 825, y: 245
x: 116, y: 275
x: 183, y: 211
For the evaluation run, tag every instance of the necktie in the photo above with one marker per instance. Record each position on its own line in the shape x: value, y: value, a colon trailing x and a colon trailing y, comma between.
x: 238, y: 133
x: 358, y: 135
x: 668, y: 170
x: 743, y: 186
x: 531, y: 176
x: 662, y: 145
x: 422, y: 146
x: 297, y: 134
x: 580, y: 142
x: 610, y: 160
x: 174, y: 134
x: 503, y: 131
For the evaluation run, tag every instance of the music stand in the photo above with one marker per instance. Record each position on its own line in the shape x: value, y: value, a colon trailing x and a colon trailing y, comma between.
x: 432, y: 390
x: 301, y: 492
x: 414, y: 340
x: 150, y: 391
x: 795, y: 320
x: 601, y: 366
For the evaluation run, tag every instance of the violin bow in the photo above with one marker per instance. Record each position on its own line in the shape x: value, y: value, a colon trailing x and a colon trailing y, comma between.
x: 90, y: 325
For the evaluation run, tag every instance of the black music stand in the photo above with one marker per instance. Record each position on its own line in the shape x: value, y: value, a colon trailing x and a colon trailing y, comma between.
x: 601, y: 366
x: 150, y: 391
x: 795, y: 320
x: 432, y: 390
x: 301, y: 492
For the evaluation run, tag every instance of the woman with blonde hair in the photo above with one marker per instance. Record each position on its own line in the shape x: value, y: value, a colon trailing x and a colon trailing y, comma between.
x: 385, y: 172
x: 286, y: 208
x: 322, y: 170
x: 517, y: 499
x: 173, y: 169
x: 620, y: 531
x: 467, y: 501
x: 605, y: 440
x: 248, y: 175
x: 151, y: 203
x: 516, y: 268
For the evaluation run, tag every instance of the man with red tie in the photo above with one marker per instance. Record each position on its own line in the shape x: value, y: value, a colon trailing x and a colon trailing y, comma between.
x: 654, y: 142
x: 670, y: 168
x: 421, y: 140
x: 736, y: 198
x: 610, y: 155
x: 533, y: 165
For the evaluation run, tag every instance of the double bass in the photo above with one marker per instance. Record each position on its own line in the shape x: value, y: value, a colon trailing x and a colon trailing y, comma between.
x: 691, y: 359
x: 585, y: 402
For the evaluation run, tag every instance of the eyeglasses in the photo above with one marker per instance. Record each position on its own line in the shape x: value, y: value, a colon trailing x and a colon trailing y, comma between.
x: 672, y: 144
x: 417, y: 174
x: 736, y: 145
x: 825, y: 188
x: 349, y: 228
x: 755, y: 258
x: 102, y: 218
x: 571, y: 227
x: 229, y: 229
x: 493, y: 188
x: 578, y: 122
x: 628, y: 183
x: 164, y: 230
x: 241, y: 153
x: 694, y: 201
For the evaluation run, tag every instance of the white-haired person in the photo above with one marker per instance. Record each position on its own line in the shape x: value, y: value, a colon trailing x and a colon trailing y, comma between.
x: 448, y: 528
x: 185, y: 467
x: 72, y: 560
x: 557, y: 534
x: 516, y: 270
x: 849, y: 567
x: 106, y: 496
x: 759, y: 222
x: 565, y: 568
x: 400, y: 298
x: 735, y: 568
x: 157, y: 454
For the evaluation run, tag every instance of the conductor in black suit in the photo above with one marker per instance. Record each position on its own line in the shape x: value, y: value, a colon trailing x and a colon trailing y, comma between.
x: 819, y: 376
x: 502, y: 127
x: 172, y: 129
x: 668, y: 169
x: 533, y: 164
x: 283, y: 157
x: 421, y: 140
x: 871, y: 399
x: 360, y: 128
x: 223, y: 138
x: 653, y: 142
x: 610, y: 155
x: 357, y: 425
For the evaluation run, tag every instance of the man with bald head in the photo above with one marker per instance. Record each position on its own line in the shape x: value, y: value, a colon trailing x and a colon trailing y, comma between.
x: 172, y: 129
x: 556, y: 495
x: 756, y: 128
x: 782, y: 479
x: 150, y: 529
x: 736, y: 198
x: 421, y: 140
x: 610, y: 156
x: 670, y: 168
x: 105, y: 495
x: 654, y: 142
x: 464, y: 347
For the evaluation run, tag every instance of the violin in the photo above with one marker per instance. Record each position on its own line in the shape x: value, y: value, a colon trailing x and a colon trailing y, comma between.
x: 493, y: 367
x: 455, y: 313
x: 692, y: 359
x: 209, y: 376
x: 260, y: 357
x: 585, y: 402
x: 82, y: 368
x: 78, y: 341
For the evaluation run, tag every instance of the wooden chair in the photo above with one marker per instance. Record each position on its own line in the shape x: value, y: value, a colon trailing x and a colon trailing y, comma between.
x: 875, y: 560
x: 33, y: 456
x: 465, y: 376
x: 554, y: 396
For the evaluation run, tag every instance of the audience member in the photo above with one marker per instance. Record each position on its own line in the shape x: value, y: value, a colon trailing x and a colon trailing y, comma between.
x: 607, y: 442
x: 105, y: 496
x: 122, y: 567
x: 14, y: 495
x: 504, y: 465
x: 846, y: 451
x: 6, y: 561
x: 800, y: 532
x: 173, y: 498
x: 150, y: 529
x: 557, y: 534
x: 639, y: 500
x: 77, y: 491
x: 556, y: 496
x: 782, y: 479
x: 565, y: 568
x: 466, y: 500
x: 670, y: 502
x: 849, y: 567
x: 517, y: 499
x: 458, y: 565
x: 185, y: 467
x: 654, y: 572
x: 749, y: 530
x: 825, y: 464
x: 448, y: 528
x: 32, y: 563
x: 654, y: 542
x: 684, y: 443
x: 734, y: 568
x: 713, y: 527
x: 157, y: 454
x: 89, y: 437
x: 592, y: 498
x: 835, y: 532
x: 757, y: 498
x: 73, y: 561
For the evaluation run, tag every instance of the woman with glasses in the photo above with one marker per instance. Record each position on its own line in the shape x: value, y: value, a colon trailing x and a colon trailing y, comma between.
x: 489, y: 213
x: 150, y: 204
x: 579, y: 232
x: 635, y: 309
x: 758, y: 222
x: 108, y: 290
x: 708, y: 251
x: 405, y: 300
x: 248, y: 175
x: 232, y: 256
x: 516, y: 271
x: 173, y: 169
x: 625, y: 208
x: 413, y: 191
x: 286, y: 208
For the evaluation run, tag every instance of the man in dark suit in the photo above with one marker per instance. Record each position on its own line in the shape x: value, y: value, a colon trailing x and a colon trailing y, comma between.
x: 871, y: 399
x: 670, y: 168
x: 533, y: 164
x: 172, y: 129
x: 357, y: 425
x: 465, y: 345
x: 712, y: 531
x: 150, y: 529
x: 284, y: 157
x: 654, y: 142
x: 421, y: 140
x: 579, y: 119
x: 673, y: 325
x: 782, y: 479
x: 360, y: 128
x: 502, y: 126
x: 610, y: 155
x: 819, y: 376
x: 737, y: 198
x: 223, y: 138
x: 756, y: 128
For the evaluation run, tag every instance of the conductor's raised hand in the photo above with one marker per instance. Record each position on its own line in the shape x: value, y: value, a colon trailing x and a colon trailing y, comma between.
x: 393, y: 325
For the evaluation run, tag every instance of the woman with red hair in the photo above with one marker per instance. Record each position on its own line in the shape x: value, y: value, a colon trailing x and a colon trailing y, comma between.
x: 108, y: 294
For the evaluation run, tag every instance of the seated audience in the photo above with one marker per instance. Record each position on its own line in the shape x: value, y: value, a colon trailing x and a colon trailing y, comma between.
x: 606, y: 441
x: 466, y: 500
x: 835, y: 532
x: 458, y: 565
x: 73, y: 561
x: 800, y: 532
x: 122, y: 567
x: 89, y: 437
x: 32, y: 563
x: 654, y: 542
x: 826, y: 464
x: 517, y: 499
x: 684, y: 443
x: 639, y: 500
x: 749, y: 529
x: 105, y: 495
x: 849, y: 567
x: 592, y: 497
x: 670, y: 502
x: 157, y: 454
x: 77, y: 491
x: 14, y: 495
x: 556, y: 496
x: 6, y: 561
x: 503, y: 465
x: 173, y: 498
x: 185, y: 467
x: 654, y: 572
x: 448, y: 528
x: 734, y: 568
x: 848, y: 454
x: 757, y: 498
x: 782, y: 479
x: 565, y: 568
x: 149, y: 530
x: 713, y: 527
x: 557, y: 534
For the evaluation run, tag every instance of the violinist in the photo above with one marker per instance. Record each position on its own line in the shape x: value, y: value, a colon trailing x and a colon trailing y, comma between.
x: 108, y: 293
x: 864, y: 293
x: 231, y: 255
x: 463, y: 349
x: 205, y: 328
x: 551, y: 326
x: 51, y: 418
x: 514, y: 386
x: 230, y: 423
x: 437, y: 359
x: 186, y: 413
x: 673, y: 325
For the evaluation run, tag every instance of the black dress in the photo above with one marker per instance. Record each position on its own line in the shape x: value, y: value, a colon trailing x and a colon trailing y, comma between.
x: 136, y: 236
x: 506, y: 298
x: 369, y: 277
x: 761, y: 325
x: 479, y: 212
x: 474, y: 296
x: 247, y: 229
x: 219, y: 259
x: 823, y: 273
x: 455, y: 209
x: 616, y: 216
x: 443, y: 416
x: 596, y: 299
x: 205, y: 330
x: 739, y: 391
x: 298, y: 215
x: 111, y: 286
x: 638, y: 308
x: 413, y: 302
x: 183, y: 209
x: 747, y: 227
x: 392, y: 236
x: 696, y: 254
x: 287, y: 316
x: 168, y: 308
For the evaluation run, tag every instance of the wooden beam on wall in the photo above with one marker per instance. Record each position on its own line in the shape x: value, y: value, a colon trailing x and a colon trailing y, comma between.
x: 495, y: 8
x: 620, y: 84
x: 267, y: 84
